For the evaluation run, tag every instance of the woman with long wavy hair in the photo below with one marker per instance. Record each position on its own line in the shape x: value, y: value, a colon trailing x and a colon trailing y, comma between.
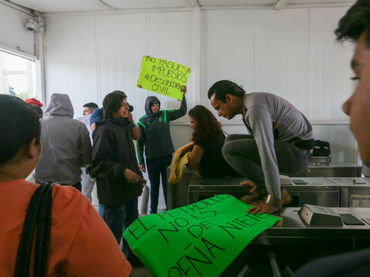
x: 208, y: 139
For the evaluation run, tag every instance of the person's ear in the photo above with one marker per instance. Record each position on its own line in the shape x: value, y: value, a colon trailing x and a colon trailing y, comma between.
x: 33, y: 149
x: 228, y: 98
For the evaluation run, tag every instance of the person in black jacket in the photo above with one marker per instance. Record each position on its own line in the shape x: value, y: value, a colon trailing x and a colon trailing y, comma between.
x: 114, y: 164
x: 155, y: 137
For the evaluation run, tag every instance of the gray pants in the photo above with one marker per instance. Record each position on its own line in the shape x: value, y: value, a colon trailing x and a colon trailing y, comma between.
x: 87, y: 184
x: 241, y: 153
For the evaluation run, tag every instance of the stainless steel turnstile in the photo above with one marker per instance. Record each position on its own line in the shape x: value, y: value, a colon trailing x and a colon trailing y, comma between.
x: 329, y: 192
x: 334, y: 170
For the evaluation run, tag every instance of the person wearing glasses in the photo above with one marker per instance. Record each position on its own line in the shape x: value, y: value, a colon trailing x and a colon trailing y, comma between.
x: 155, y: 140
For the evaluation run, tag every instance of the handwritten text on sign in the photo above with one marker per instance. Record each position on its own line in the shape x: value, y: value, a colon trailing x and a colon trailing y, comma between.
x: 162, y: 76
x: 200, y: 239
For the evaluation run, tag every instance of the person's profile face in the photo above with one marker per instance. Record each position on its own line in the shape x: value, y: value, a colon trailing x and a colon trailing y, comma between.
x: 123, y: 111
x: 357, y: 107
x: 223, y: 109
x: 87, y: 110
x: 193, y: 122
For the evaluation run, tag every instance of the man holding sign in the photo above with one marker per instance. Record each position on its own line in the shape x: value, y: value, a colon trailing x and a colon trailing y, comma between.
x: 155, y: 137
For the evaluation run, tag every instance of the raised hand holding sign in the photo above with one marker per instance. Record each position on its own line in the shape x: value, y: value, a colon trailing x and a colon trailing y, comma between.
x: 163, y: 77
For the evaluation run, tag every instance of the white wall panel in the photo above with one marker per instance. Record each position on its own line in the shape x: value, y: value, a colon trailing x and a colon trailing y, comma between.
x: 90, y: 56
x: 281, y: 54
x: 170, y: 37
x: 71, y: 60
x: 228, y: 51
x: 342, y: 143
x: 330, y: 73
x: 13, y: 34
x: 119, y: 51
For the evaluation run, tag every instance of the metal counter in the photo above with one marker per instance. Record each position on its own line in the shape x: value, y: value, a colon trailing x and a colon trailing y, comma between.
x: 329, y: 192
x: 334, y: 170
x: 354, y: 192
x: 295, y: 232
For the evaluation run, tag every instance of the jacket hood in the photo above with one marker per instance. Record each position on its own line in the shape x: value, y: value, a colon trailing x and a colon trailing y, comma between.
x: 148, y: 100
x: 60, y: 104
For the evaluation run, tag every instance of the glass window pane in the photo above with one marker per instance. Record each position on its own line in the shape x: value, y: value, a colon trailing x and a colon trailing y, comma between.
x: 17, y: 76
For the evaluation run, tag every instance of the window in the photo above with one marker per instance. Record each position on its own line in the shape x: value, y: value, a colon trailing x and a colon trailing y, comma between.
x: 17, y: 76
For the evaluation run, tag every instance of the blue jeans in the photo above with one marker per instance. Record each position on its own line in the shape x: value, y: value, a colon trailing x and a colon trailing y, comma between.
x: 101, y: 210
x: 157, y: 168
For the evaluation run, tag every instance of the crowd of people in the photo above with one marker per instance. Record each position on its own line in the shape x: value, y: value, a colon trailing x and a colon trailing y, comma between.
x: 84, y: 243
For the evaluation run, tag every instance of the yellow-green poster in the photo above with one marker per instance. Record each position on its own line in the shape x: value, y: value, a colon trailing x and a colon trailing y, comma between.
x: 162, y: 76
x: 200, y: 239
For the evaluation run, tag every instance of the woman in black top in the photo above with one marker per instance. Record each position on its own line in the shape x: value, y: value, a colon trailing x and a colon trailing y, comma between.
x: 208, y: 140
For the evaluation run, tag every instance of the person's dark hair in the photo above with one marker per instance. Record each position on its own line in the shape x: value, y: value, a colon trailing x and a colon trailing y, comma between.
x: 36, y: 109
x: 91, y: 105
x: 112, y: 103
x: 221, y: 88
x: 355, y: 22
x: 207, y: 125
x: 19, y: 127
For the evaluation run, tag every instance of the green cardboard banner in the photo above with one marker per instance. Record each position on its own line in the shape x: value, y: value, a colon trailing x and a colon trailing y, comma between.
x: 162, y: 76
x: 200, y: 239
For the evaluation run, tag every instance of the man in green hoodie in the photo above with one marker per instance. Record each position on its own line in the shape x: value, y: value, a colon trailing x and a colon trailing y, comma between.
x: 155, y: 140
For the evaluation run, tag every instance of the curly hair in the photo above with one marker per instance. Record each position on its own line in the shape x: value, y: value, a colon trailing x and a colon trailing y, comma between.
x: 207, y: 125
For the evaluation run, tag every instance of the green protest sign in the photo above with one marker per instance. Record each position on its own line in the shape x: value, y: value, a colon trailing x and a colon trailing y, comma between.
x: 162, y: 76
x: 200, y: 239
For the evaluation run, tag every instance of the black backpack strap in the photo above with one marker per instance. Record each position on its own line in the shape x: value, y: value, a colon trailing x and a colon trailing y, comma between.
x: 43, y: 234
x: 38, y: 219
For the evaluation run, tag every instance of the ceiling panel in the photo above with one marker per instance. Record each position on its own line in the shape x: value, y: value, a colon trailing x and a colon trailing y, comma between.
x: 147, y: 4
x: 62, y: 5
x: 48, y: 6
x: 321, y: 1
x: 236, y: 2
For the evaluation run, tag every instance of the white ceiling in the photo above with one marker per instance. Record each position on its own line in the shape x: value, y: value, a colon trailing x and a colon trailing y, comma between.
x: 66, y: 6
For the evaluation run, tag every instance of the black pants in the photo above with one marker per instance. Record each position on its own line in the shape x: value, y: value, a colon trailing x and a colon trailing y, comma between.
x: 118, y: 218
x: 77, y: 185
x: 157, y: 168
x: 241, y: 153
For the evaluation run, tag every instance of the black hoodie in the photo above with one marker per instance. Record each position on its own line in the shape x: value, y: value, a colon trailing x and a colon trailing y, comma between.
x: 155, y: 130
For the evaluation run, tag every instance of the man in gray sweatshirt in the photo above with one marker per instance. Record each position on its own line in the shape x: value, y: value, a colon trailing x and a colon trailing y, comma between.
x: 65, y: 142
x: 279, y: 141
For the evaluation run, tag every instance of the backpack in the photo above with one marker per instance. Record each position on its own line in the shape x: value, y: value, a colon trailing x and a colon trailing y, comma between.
x: 321, y: 148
